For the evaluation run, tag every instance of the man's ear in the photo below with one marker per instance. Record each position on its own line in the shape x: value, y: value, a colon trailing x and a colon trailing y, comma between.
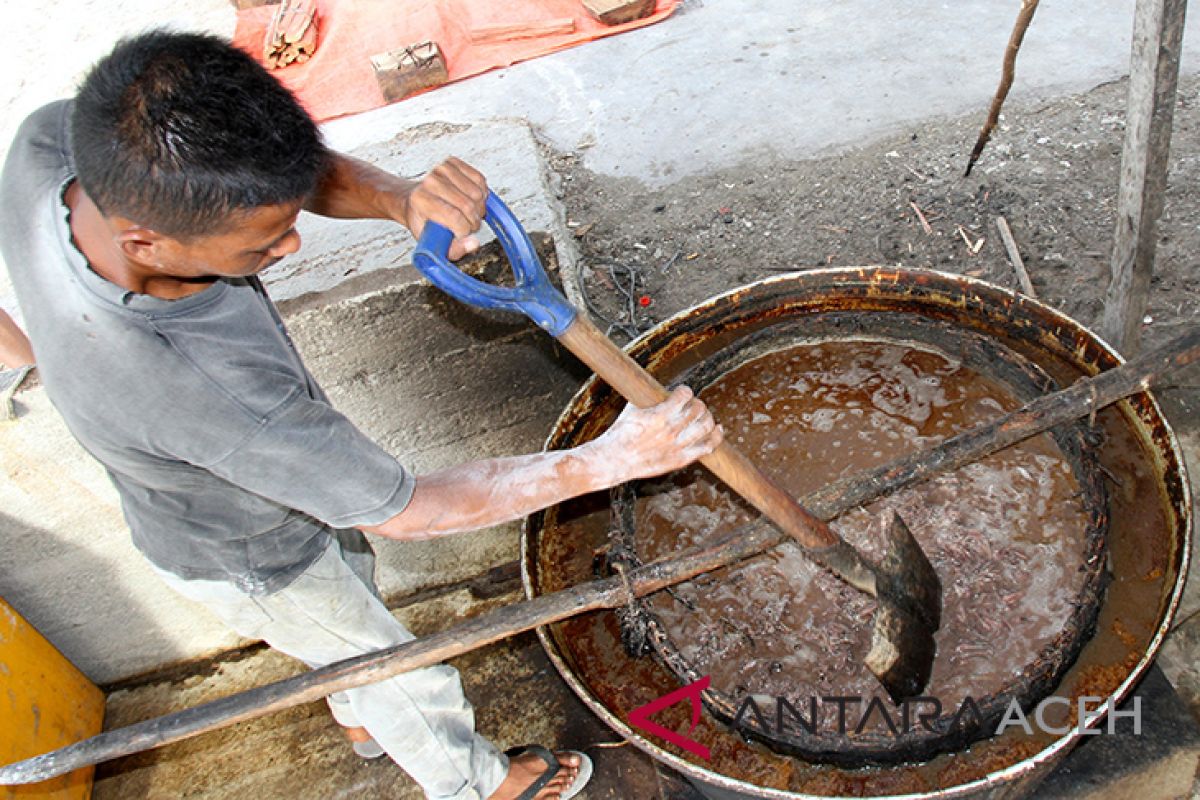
x: 143, y: 246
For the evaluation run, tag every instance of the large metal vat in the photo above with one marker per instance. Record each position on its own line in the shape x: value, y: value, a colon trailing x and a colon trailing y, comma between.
x: 1149, y: 537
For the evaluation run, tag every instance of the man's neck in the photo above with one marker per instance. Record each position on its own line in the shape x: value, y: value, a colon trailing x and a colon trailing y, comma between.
x: 94, y: 237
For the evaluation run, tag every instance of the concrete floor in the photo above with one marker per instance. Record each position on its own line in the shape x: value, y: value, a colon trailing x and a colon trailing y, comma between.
x: 686, y: 96
x: 719, y: 81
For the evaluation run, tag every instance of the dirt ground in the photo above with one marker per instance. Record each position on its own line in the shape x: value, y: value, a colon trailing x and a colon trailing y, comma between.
x: 1050, y: 170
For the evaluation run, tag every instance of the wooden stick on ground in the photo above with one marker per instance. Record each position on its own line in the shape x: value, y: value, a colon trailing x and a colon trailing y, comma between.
x: 490, y: 34
x: 1024, y: 17
x: 925, y: 226
x: 1014, y: 257
x: 1083, y: 397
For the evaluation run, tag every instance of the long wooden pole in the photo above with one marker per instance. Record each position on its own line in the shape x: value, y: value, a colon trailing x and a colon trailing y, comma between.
x: 1153, y: 76
x: 1036, y: 417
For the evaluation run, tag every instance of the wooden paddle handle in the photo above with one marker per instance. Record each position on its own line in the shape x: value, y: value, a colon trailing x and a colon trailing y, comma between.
x: 625, y: 375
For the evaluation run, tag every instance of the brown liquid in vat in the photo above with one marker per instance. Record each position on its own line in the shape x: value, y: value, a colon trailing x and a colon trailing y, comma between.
x: 1005, y: 534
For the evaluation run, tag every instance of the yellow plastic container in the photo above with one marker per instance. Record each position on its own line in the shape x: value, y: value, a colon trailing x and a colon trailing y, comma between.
x: 45, y: 703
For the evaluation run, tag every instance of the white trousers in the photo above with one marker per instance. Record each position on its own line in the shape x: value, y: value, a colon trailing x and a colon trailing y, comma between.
x: 331, y: 612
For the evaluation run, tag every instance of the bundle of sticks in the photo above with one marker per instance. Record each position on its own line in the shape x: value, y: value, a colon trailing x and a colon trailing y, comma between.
x: 292, y: 35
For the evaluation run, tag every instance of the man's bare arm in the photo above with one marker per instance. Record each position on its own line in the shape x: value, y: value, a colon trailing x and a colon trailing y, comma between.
x: 640, y: 444
x: 451, y: 194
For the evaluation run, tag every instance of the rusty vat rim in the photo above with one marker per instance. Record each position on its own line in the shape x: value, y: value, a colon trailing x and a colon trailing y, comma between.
x: 969, y: 288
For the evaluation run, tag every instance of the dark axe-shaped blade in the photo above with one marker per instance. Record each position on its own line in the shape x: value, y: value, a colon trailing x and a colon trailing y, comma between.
x: 909, y: 597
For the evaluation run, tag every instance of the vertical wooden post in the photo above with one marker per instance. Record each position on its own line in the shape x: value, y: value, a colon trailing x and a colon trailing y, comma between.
x: 1153, y: 75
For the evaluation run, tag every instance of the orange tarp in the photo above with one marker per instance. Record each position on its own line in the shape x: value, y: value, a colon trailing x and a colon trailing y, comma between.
x: 339, y: 80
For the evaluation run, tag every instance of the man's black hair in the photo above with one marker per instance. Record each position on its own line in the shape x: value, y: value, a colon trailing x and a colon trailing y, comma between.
x: 180, y: 131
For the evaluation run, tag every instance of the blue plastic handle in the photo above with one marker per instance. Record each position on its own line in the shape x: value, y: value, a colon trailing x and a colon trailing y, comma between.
x: 533, y: 295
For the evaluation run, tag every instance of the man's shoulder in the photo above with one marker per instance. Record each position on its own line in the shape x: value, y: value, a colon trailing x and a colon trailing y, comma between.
x: 39, y: 161
x: 53, y: 118
x: 41, y: 144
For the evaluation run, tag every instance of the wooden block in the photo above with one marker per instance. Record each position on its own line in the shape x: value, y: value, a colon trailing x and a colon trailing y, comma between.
x: 241, y: 5
x: 408, y: 70
x: 616, y: 12
x: 486, y: 34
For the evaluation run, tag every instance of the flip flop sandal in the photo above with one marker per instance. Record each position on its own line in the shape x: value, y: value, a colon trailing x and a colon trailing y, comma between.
x: 364, y: 745
x: 552, y: 768
x: 368, y: 750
